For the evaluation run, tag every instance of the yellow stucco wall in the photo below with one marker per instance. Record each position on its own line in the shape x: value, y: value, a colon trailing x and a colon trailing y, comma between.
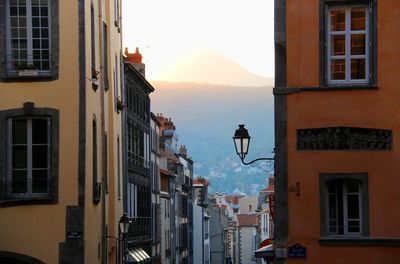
x: 37, y: 230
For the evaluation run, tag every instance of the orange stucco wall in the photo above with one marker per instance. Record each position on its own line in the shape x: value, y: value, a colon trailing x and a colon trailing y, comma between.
x: 367, y: 109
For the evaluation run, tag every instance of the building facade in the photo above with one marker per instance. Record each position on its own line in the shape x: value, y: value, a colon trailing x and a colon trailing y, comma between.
x: 60, y: 158
x: 336, y: 124
x: 138, y: 158
x: 155, y: 188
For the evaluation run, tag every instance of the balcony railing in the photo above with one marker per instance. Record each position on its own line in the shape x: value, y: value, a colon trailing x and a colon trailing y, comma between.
x: 140, y: 227
x: 172, y: 166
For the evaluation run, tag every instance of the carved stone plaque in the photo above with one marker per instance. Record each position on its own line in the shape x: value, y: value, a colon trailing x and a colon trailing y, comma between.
x: 344, y: 138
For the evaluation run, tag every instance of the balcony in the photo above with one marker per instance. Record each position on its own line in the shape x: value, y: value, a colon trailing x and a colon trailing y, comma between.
x: 187, y: 182
x: 140, y: 228
x: 172, y: 166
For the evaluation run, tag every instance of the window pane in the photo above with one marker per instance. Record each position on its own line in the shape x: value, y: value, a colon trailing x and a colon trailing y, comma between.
x: 358, y: 19
x: 338, y: 45
x: 35, y: 2
x: 19, y: 159
x: 354, y: 226
x: 338, y: 20
x: 35, y: 22
x: 13, y: 11
x: 357, y: 69
x: 45, y: 43
x: 45, y: 33
x: 22, y: 11
x: 44, y: 11
x: 19, y: 181
x: 353, y: 208
x: 14, y: 22
x: 352, y: 186
x: 357, y: 44
x: 39, y: 131
x: 22, y: 43
x: 44, y: 22
x: 19, y: 134
x: 45, y: 65
x: 22, y: 22
x: 338, y: 69
x: 35, y: 11
x: 332, y: 226
x: 39, y: 181
x: 39, y: 156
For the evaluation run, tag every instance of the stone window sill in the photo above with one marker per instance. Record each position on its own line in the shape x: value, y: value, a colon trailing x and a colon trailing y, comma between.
x: 359, y: 241
x: 27, y: 201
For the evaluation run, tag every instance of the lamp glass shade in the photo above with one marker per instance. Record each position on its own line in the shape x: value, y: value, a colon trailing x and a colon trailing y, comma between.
x: 241, y: 140
x: 124, y: 223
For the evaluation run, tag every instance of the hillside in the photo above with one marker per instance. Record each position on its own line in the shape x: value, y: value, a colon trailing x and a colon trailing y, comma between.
x: 206, y: 117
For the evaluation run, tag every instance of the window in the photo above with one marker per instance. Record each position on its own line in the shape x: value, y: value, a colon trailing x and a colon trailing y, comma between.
x: 344, y: 207
x: 29, y: 157
x: 29, y: 154
x: 348, y: 40
x: 350, y: 43
x: 344, y: 204
x: 28, y: 35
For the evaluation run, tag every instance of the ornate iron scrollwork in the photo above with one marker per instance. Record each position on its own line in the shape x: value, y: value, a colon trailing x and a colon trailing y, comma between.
x: 344, y: 138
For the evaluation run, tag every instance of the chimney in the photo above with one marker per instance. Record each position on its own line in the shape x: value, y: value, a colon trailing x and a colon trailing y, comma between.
x: 183, y: 150
x: 135, y: 59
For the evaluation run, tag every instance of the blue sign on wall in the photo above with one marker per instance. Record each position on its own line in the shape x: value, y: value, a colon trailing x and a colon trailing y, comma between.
x: 297, y: 251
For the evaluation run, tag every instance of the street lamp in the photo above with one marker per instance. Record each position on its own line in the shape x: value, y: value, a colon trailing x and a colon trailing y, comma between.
x: 241, y: 139
x: 124, y: 223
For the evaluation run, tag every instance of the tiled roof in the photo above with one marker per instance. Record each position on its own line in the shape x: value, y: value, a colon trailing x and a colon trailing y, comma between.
x: 247, y: 219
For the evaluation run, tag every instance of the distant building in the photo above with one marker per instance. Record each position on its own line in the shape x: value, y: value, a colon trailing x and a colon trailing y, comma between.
x: 265, y: 218
x: 248, y: 204
x: 176, y: 172
x: 246, y: 238
x: 218, y: 236
x: 201, y: 224
x: 138, y: 160
x: 155, y: 188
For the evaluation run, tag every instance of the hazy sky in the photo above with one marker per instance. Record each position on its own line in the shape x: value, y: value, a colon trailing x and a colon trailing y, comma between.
x: 168, y: 30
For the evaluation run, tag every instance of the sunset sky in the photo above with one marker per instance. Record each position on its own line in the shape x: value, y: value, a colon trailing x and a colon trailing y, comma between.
x: 168, y: 31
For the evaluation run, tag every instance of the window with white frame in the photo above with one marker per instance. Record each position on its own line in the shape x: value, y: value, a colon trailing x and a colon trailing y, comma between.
x: 28, y: 35
x: 344, y: 204
x: 348, y: 45
x: 28, y: 156
x: 344, y: 207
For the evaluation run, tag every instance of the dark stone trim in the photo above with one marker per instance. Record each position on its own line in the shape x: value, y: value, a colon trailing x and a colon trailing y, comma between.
x: 71, y: 251
x: 373, y: 62
x: 52, y: 198
x: 280, y: 107
x: 293, y: 90
x: 363, y: 179
x: 12, y: 257
x: 82, y: 105
x: 360, y: 241
x: 55, y: 48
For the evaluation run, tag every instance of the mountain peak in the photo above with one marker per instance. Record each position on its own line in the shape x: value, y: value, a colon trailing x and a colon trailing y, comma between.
x: 209, y: 66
